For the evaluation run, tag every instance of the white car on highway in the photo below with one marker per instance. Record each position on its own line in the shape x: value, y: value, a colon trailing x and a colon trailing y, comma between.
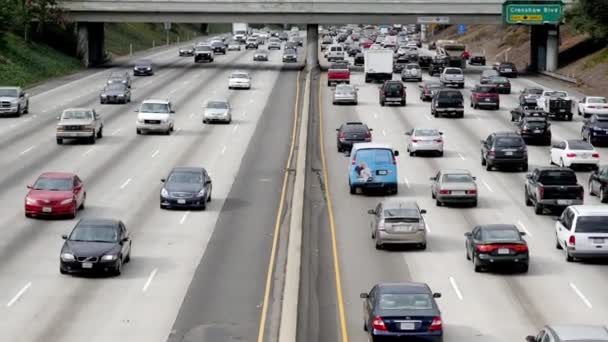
x: 581, y: 232
x: 217, y: 110
x: 425, y: 140
x: 590, y: 105
x: 568, y: 153
x: 239, y: 80
x: 155, y: 116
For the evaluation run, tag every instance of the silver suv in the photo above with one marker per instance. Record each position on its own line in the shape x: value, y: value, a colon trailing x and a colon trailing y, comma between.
x: 570, y: 333
x: 397, y: 221
x: 452, y: 76
x: 582, y: 232
x: 79, y: 123
x: 13, y: 100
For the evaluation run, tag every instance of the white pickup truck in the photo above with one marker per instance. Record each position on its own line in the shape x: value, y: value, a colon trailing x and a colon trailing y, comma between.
x: 452, y: 76
x: 13, y: 101
x: 556, y: 104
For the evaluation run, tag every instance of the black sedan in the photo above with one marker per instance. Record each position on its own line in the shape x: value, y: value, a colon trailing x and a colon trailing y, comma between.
x: 497, y: 244
x: 598, y: 183
x: 507, y: 69
x: 402, y: 312
x: 352, y: 52
x: 115, y: 93
x: 477, y: 60
x: 186, y: 187
x: 218, y: 47
x: 96, y: 244
x: 143, y: 68
x: 359, y: 59
x: 424, y: 61
x: 534, y: 129
x: 350, y: 133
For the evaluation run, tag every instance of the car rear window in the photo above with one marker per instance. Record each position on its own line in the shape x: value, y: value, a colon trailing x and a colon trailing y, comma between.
x: 453, y: 71
x: 402, y: 212
x: 378, y: 156
x: 509, y: 142
x: 217, y: 105
x: 580, y: 145
x: 77, y: 115
x: 405, y: 301
x: 426, y: 133
x: 354, y: 129
x: 592, y: 224
x: 489, y: 90
x: 394, y: 87
x: 558, y: 177
x: 497, y: 235
x: 596, y: 100
x: 452, y: 94
x: 536, y: 91
x: 457, y: 178
x: 536, y: 124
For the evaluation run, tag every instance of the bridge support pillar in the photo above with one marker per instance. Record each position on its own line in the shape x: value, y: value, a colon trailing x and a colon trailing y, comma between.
x: 312, y: 46
x: 91, y: 43
x: 423, y: 29
x: 552, y: 48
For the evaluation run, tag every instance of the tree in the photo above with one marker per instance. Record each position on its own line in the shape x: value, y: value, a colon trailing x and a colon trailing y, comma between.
x: 590, y: 16
x: 7, y: 18
x: 40, y: 11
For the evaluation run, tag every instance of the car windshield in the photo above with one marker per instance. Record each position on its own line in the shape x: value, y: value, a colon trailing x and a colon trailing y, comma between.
x: 579, y: 145
x: 536, y: 91
x: 53, y: 184
x: 426, y: 133
x: 94, y: 233
x: 453, y: 71
x: 557, y: 177
x: 9, y: 92
x: 401, y: 212
x: 116, y: 86
x: 185, y: 177
x: 596, y: 100
x: 412, y: 66
x: 497, y: 235
x: 499, y: 79
x: 405, y: 301
x: 601, y: 124
x: 239, y: 76
x: 394, y: 87
x: 592, y: 224
x: 489, y: 90
x: 154, y: 108
x: 217, y: 105
x: 556, y: 94
x: 77, y: 114
x: 509, y: 142
x: 457, y: 178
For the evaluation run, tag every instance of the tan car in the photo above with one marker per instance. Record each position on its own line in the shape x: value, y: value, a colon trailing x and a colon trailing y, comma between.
x: 397, y: 221
x: 80, y: 124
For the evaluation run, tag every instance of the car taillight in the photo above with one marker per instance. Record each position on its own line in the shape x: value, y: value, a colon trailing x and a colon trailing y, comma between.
x: 492, y: 153
x: 436, y: 324
x: 444, y: 192
x: 341, y: 135
x: 353, y: 162
x: 541, y: 192
x: 378, y: 323
x: 485, y: 248
x: 471, y: 192
x: 570, y: 155
x: 519, y: 248
x: 595, y: 155
x: 415, y: 140
x: 572, y: 240
x: 439, y: 140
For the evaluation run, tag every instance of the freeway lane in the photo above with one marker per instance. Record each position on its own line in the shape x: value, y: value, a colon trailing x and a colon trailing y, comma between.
x: 122, y: 173
x: 472, y: 303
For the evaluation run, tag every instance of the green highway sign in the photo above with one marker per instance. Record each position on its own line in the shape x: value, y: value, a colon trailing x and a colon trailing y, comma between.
x: 532, y: 13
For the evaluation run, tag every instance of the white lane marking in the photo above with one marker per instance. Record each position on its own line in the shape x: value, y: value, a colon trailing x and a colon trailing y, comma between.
x: 155, y: 153
x: 581, y: 295
x: 46, y: 110
x: 383, y: 132
x: 428, y: 117
x: 26, y: 150
x: 236, y: 127
x: 461, y: 156
x: 183, y: 219
x: 427, y: 227
x: 28, y: 119
x: 116, y: 131
x: 407, y: 182
x: 149, y: 281
x: 455, y: 287
x: 223, y: 149
x: 523, y: 227
x: 18, y: 295
x: 487, y: 185
x: 375, y: 115
x: 87, y: 152
x: 125, y: 183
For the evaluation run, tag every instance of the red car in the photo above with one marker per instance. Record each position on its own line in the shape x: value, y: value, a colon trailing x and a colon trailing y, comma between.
x: 485, y: 95
x: 366, y: 44
x: 55, y: 194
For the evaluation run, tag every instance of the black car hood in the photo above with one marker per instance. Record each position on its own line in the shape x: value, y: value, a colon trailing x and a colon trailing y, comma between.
x: 86, y: 248
x: 183, y: 187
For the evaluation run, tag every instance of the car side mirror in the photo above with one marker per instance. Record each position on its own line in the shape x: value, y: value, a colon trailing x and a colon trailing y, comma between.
x: 29, y: 186
x: 396, y: 153
x: 59, y: 118
x: 347, y: 153
x: 163, y: 180
x: 65, y: 237
x: 522, y: 233
x: 125, y: 239
x: 371, y: 129
x: 474, y: 178
x: 337, y: 130
x: 432, y: 178
x: 364, y: 295
x: 422, y: 211
x: 208, y: 181
x: 371, y: 212
x: 467, y: 234
x: 172, y: 111
x: 436, y: 295
x: 530, y: 338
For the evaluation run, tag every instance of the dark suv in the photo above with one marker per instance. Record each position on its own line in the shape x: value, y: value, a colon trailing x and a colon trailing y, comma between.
x: 485, y: 95
x: 447, y: 102
x: 595, y: 130
x: 219, y: 47
x: 350, y: 133
x: 507, y: 69
x: 504, y: 149
x: 534, y: 128
x: 392, y: 92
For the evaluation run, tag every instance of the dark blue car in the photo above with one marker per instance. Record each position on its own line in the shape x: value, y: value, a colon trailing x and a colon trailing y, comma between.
x: 402, y: 312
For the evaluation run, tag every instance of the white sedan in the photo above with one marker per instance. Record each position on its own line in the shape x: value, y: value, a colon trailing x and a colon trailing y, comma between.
x: 590, y: 105
x: 568, y: 153
x: 425, y: 140
x: 239, y: 80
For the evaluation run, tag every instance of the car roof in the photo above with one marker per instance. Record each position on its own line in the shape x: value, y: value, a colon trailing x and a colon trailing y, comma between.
x: 57, y: 175
x: 590, y: 209
x: 578, y: 332
x: 393, y: 203
x: 97, y: 221
x: 79, y: 109
x: 497, y: 226
x: 370, y: 145
x: 187, y: 169
x: 403, y: 288
x: 455, y: 171
x: 155, y: 101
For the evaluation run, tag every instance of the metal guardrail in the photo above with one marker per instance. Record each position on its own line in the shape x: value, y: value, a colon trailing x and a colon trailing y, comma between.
x: 561, y: 77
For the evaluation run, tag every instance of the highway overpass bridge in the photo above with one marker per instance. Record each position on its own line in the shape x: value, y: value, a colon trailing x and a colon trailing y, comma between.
x: 91, y: 14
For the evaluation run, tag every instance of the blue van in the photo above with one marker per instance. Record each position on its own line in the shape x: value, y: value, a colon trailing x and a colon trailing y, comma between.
x: 373, y: 166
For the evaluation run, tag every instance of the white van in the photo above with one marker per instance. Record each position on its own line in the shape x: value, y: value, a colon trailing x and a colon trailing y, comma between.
x: 335, y: 53
x: 582, y: 232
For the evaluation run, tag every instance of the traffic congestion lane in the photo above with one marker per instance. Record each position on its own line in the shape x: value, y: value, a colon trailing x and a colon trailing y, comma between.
x: 415, y: 114
x: 132, y: 165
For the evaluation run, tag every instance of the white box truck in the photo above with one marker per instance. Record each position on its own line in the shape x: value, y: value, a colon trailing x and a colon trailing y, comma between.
x: 239, y: 32
x: 378, y: 65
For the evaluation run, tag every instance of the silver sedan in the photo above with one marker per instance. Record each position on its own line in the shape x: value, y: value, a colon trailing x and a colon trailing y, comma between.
x: 345, y: 93
x: 425, y: 140
x: 217, y: 110
x: 455, y: 187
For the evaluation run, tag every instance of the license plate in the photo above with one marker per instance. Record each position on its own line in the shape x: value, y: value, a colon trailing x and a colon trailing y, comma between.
x: 562, y: 110
x: 47, y: 209
x: 458, y: 192
x: 407, y: 326
x: 181, y: 201
x: 503, y: 251
x: 598, y: 240
x: 71, y: 134
x: 382, y: 172
x: 393, y: 99
x: 401, y: 228
x: 508, y: 153
x: 87, y: 265
x: 537, y: 131
x: 508, y: 70
x: 488, y: 100
x: 564, y: 202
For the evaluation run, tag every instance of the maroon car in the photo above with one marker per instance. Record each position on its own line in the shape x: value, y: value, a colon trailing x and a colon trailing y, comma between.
x: 484, y: 95
x: 55, y: 194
